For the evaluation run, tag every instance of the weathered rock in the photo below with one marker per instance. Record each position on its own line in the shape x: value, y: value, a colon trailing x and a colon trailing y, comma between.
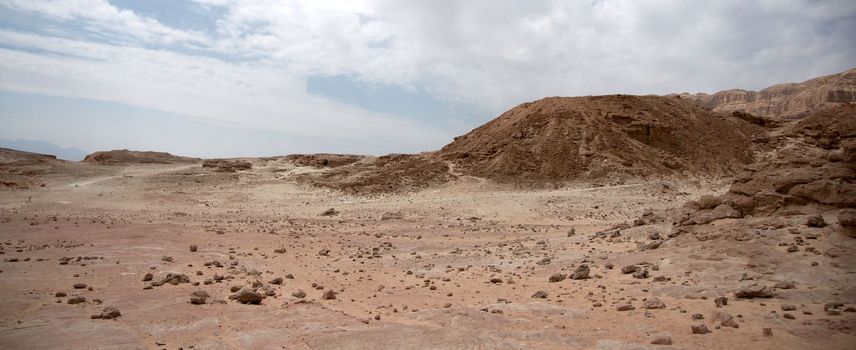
x: 581, y: 273
x: 329, y: 295
x: 653, y: 303
x: 172, y: 278
x: 557, y: 277
x: 724, y: 319
x: 815, y: 221
x: 641, y: 274
x: 754, y: 291
x: 720, y: 301
x: 199, y: 297
x: 540, y: 294
x: 629, y: 269
x: 110, y: 313
x: 76, y: 300
x: 699, y: 329
x: 148, y: 277
x: 277, y: 280
x: 625, y: 307
x: 193, y: 248
x: 299, y: 294
x: 247, y: 296
x: 662, y: 339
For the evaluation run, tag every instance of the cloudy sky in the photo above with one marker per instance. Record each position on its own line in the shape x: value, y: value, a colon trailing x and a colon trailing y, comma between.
x: 232, y: 77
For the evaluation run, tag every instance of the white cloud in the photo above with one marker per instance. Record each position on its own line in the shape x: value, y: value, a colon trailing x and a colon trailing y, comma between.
x: 490, y: 54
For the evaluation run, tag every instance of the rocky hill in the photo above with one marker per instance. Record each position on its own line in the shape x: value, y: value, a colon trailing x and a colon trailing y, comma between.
x: 560, y: 139
x: 136, y: 157
x: 784, y: 101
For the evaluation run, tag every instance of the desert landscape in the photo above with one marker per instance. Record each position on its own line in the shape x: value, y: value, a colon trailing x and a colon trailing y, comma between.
x: 599, y: 222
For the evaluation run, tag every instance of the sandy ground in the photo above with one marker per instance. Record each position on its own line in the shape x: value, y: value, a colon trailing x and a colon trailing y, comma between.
x: 447, y: 268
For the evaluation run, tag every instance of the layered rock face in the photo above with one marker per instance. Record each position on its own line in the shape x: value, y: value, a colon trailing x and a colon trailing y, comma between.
x: 784, y: 101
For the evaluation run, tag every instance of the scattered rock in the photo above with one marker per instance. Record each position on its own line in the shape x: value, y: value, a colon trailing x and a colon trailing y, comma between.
x: 581, y: 273
x: 699, y: 329
x: 557, y: 277
x: 625, y: 307
x: 653, y: 303
x: 754, y: 291
x: 329, y: 295
x: 815, y: 221
x: 76, y: 300
x: 540, y: 294
x: 662, y: 339
x: 330, y: 212
x: 247, y: 296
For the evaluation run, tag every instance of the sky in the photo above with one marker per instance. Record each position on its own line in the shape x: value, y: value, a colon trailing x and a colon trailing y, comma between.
x: 226, y: 78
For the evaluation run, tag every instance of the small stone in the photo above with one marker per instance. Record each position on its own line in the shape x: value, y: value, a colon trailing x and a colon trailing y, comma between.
x: 754, y: 291
x: 110, y: 313
x: 277, y: 280
x: 148, y: 277
x: 625, y: 307
x: 247, y: 296
x: 581, y: 273
x: 788, y: 307
x: 329, y: 295
x: 767, y: 332
x: 785, y: 285
x: 76, y: 300
x: 815, y: 221
x: 166, y: 258
x: 60, y: 294
x: 193, y: 248
x: 641, y: 274
x: 299, y: 294
x: 653, y: 303
x: 720, y: 301
x: 279, y: 250
x: 540, y: 294
x: 699, y: 329
x: 629, y: 269
x: 80, y: 286
x: 662, y: 339
x: 557, y: 277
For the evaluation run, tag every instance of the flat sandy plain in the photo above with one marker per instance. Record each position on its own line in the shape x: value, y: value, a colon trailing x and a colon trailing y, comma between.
x: 455, y: 266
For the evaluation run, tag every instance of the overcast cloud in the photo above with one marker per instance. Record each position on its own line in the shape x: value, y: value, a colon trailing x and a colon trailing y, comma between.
x: 246, y: 64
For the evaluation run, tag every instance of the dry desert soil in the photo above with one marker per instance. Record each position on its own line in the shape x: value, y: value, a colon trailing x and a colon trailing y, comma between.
x: 275, y: 253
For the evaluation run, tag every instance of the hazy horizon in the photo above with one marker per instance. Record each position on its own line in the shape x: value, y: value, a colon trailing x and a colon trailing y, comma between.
x: 228, y: 78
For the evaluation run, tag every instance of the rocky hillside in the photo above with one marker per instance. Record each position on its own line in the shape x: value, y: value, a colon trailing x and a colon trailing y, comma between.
x: 559, y: 139
x: 784, y: 101
x: 136, y: 157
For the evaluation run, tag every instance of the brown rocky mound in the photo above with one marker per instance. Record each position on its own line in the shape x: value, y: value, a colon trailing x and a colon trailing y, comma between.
x: 136, y: 157
x: 391, y: 173
x: 323, y: 160
x: 20, y: 169
x: 227, y: 165
x: 560, y: 139
x: 785, y: 101
x: 813, y: 172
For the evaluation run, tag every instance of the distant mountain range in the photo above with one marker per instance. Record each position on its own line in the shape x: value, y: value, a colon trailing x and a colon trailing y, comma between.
x: 784, y: 101
x: 66, y: 153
